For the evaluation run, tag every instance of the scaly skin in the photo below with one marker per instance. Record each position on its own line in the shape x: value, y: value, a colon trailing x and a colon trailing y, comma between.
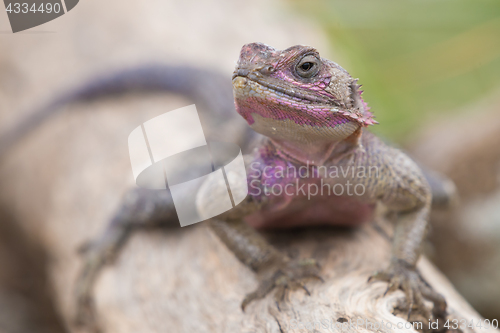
x: 313, y: 115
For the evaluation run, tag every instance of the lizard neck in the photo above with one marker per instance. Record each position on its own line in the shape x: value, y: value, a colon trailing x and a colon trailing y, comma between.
x: 315, y: 153
x: 306, y: 153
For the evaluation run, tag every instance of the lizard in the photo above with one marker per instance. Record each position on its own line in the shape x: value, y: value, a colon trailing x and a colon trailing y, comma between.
x: 310, y: 112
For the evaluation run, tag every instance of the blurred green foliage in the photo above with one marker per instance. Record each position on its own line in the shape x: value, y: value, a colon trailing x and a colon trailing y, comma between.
x: 415, y: 58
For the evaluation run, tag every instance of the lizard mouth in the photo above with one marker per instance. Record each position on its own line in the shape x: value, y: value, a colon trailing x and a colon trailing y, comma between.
x: 253, y: 86
x: 290, y: 92
x: 240, y: 81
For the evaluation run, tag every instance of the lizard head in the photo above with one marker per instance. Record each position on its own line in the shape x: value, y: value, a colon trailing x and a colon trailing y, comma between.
x: 296, y: 95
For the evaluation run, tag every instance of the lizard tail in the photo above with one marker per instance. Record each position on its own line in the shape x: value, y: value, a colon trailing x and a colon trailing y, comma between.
x: 211, y: 90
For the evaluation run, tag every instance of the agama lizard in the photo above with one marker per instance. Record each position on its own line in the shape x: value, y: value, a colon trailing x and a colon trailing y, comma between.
x: 312, y: 115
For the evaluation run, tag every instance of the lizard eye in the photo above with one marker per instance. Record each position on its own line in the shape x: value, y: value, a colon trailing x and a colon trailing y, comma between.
x: 308, y: 66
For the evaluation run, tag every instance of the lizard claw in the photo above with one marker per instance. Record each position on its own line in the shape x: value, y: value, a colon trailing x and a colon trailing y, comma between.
x: 402, y: 276
x: 288, y: 276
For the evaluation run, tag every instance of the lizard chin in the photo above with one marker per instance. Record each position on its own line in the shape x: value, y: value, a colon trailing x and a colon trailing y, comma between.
x: 282, y: 117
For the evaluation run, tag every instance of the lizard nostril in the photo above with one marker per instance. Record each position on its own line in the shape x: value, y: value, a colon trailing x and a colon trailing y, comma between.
x: 267, y: 69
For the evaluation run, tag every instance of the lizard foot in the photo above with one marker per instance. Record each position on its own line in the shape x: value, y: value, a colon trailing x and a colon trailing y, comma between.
x: 289, y: 275
x: 401, y: 275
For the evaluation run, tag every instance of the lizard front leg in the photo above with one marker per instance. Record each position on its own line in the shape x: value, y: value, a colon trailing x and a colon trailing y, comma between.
x: 274, y: 269
x: 402, y: 272
x: 410, y: 196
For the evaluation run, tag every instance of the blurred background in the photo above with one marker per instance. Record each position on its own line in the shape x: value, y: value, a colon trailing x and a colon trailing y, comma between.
x: 430, y: 71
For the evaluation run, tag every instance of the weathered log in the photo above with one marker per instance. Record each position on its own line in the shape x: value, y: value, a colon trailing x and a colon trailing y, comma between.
x: 188, y: 281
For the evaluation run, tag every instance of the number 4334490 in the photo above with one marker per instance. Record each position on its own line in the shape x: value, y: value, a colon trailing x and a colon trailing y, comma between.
x: 25, y: 8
